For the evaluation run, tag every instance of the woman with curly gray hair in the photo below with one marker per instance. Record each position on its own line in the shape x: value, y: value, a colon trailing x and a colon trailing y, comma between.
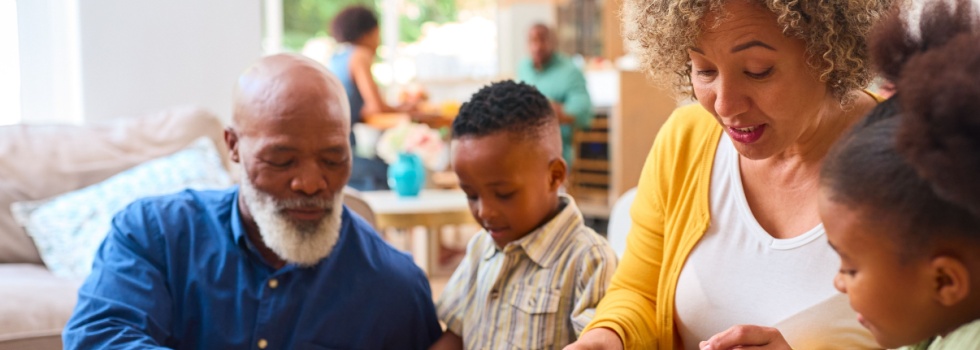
x: 727, y: 248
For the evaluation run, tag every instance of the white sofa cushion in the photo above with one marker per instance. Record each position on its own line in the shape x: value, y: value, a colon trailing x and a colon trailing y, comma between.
x: 42, y: 161
x: 35, y: 302
x: 68, y: 229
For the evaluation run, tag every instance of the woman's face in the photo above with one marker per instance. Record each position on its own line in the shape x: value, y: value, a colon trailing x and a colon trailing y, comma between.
x: 372, y: 39
x: 756, y: 81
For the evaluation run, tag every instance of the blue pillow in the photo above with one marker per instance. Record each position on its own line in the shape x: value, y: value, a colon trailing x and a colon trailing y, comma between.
x: 68, y: 229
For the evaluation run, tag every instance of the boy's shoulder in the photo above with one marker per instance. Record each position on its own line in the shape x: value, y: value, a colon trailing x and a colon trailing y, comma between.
x: 574, y: 229
x: 568, y: 238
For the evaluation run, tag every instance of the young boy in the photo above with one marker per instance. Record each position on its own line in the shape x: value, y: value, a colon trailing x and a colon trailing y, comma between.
x: 900, y: 196
x: 533, y: 276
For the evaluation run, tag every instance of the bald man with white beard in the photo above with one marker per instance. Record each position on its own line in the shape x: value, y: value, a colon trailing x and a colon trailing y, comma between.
x: 278, y: 262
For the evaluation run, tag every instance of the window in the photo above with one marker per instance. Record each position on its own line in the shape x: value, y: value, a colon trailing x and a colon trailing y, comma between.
x: 9, y: 64
x: 444, y: 45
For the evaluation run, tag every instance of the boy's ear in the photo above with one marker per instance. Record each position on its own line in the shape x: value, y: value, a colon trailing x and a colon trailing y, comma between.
x: 231, y: 140
x: 952, y: 280
x: 557, y: 170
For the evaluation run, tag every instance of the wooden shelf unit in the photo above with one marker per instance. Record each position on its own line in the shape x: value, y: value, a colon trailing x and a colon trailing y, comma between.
x: 610, y: 155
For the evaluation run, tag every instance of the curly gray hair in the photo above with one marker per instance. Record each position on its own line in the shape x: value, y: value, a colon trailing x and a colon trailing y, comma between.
x: 835, y: 33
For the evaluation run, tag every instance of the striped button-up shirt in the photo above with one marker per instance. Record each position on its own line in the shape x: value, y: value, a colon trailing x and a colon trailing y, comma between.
x: 537, y: 292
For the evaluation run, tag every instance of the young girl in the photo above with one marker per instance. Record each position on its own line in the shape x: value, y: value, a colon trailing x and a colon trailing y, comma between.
x: 901, y: 193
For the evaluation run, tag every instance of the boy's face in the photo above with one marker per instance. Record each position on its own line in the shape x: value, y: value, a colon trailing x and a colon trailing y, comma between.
x: 511, y: 185
x: 893, y: 297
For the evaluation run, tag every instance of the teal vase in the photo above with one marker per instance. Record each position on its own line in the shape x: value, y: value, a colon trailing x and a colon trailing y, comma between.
x: 407, y: 175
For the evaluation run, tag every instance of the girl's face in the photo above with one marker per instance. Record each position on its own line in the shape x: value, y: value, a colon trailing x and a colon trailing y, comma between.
x: 892, y: 296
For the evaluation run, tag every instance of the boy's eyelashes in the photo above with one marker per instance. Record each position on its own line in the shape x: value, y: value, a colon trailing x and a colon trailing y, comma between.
x: 847, y: 272
x: 498, y: 195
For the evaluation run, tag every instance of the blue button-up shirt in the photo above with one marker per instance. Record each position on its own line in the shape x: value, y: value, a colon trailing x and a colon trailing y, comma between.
x: 177, y: 271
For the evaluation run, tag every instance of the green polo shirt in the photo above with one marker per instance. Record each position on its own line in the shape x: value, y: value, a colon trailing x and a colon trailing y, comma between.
x: 561, y: 81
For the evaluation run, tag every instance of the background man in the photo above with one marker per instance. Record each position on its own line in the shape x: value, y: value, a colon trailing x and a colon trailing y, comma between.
x: 560, y: 81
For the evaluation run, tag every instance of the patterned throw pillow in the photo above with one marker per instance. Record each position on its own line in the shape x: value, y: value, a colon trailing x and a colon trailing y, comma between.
x: 68, y: 229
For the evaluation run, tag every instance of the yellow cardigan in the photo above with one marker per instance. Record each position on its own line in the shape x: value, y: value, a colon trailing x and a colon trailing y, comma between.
x: 670, y: 215
x: 676, y: 177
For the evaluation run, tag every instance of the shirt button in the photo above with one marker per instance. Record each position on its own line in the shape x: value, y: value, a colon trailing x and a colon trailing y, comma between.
x: 494, y: 294
x: 273, y: 283
x: 263, y: 343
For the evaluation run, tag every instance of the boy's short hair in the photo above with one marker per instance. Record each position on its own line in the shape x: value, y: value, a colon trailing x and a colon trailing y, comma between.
x: 505, y: 106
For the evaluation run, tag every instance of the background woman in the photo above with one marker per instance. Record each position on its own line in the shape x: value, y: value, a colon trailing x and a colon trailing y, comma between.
x: 356, y: 29
x: 726, y: 229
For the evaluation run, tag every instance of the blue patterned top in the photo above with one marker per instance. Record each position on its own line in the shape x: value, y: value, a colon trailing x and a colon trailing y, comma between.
x: 339, y: 65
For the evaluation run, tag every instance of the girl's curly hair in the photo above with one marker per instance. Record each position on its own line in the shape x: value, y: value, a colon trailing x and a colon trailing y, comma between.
x: 915, y: 159
x: 835, y: 32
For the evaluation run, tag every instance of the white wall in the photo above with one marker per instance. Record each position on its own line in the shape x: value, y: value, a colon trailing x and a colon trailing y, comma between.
x: 143, y: 56
x: 50, y: 85
x: 86, y: 60
x: 9, y: 64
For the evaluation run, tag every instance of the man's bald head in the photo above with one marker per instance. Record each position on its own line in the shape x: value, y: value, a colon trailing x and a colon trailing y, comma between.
x: 285, y: 85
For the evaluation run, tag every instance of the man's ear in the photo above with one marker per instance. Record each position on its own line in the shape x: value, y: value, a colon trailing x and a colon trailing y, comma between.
x: 557, y: 170
x: 231, y: 140
x: 952, y: 280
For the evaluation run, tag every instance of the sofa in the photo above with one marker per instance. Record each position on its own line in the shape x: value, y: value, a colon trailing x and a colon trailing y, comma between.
x: 38, y: 162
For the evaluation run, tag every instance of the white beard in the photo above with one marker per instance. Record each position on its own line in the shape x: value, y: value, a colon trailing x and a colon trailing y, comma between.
x: 300, y: 243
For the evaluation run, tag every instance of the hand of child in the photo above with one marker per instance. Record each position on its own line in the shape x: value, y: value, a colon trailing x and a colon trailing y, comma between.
x: 740, y: 336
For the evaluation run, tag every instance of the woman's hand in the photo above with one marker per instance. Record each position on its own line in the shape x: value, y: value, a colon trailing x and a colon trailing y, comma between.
x: 597, y: 339
x: 747, y: 337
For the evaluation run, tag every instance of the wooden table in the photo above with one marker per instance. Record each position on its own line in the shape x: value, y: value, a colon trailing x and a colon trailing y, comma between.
x: 432, y: 209
x: 384, y: 121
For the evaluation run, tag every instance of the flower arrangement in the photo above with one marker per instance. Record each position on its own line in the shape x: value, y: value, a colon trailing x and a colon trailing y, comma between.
x: 407, y: 137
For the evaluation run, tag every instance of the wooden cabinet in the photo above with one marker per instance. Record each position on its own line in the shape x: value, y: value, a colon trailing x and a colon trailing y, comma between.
x: 610, y: 155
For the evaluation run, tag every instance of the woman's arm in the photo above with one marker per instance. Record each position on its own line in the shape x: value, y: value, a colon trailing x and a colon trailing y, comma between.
x: 629, y: 308
x: 360, y: 67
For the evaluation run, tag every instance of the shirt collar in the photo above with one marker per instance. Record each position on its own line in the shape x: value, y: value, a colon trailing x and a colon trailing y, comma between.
x: 547, y: 64
x: 541, y: 245
x: 237, y: 226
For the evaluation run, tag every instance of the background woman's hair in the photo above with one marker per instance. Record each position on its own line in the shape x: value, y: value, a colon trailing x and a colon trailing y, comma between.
x: 915, y: 160
x: 835, y: 33
x: 352, y: 23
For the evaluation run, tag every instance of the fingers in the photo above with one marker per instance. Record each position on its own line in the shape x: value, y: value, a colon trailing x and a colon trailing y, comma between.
x: 597, y: 339
x: 746, y: 337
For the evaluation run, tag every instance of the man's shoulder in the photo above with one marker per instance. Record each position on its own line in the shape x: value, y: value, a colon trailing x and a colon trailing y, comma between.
x: 384, y: 259
x: 578, y: 243
x: 197, y: 201
x: 525, y: 70
x: 581, y: 238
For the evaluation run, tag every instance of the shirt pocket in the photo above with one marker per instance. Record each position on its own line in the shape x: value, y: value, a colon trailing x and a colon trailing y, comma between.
x: 534, y: 317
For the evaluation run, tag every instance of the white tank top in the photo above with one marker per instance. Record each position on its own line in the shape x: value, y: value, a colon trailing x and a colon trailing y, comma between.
x: 739, y: 274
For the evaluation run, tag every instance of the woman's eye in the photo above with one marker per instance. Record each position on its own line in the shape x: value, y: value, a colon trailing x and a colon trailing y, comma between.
x: 705, y: 73
x: 759, y: 75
